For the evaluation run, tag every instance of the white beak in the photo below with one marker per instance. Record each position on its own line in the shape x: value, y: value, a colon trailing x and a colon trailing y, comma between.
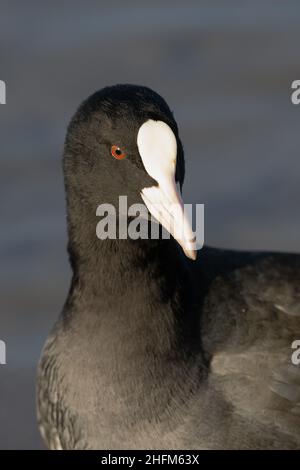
x: 158, y: 150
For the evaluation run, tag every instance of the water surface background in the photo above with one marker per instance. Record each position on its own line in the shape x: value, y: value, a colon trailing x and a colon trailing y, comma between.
x: 225, y: 68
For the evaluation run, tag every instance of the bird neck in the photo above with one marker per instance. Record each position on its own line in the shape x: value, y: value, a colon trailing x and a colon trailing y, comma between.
x: 131, y: 286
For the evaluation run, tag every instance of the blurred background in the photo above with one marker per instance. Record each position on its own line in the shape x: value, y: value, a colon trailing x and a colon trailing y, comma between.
x: 224, y: 67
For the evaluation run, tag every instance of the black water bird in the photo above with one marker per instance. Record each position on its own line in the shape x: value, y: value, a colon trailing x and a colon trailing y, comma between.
x: 153, y: 349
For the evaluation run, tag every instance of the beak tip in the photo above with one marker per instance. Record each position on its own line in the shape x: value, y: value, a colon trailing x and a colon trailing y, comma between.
x: 192, y: 254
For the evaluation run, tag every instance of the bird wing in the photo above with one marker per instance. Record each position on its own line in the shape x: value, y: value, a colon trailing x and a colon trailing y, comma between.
x: 250, y: 325
x: 59, y: 427
x: 48, y: 403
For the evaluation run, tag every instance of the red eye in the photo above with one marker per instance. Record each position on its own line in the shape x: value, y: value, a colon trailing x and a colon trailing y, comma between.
x: 117, y: 152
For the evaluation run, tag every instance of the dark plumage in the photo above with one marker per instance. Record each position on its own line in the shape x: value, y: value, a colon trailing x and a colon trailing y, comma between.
x: 153, y: 350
